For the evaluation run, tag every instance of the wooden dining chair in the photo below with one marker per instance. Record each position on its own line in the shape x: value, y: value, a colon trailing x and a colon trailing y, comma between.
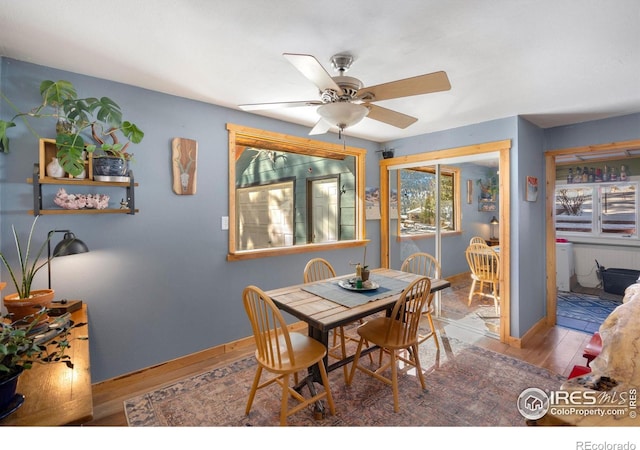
x: 318, y: 269
x: 282, y: 353
x: 484, y: 264
x: 477, y: 240
x: 427, y: 265
x: 397, y: 336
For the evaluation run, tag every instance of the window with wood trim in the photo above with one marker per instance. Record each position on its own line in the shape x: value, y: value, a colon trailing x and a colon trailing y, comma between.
x: 290, y: 195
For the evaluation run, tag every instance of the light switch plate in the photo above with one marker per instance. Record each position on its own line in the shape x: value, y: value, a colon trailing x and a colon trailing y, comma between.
x: 225, y: 222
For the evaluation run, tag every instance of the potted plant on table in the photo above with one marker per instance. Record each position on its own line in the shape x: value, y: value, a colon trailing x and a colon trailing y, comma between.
x: 24, y: 343
x: 99, y: 119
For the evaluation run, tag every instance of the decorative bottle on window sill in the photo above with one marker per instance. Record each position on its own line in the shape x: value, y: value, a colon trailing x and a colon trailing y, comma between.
x: 54, y: 169
x: 623, y: 173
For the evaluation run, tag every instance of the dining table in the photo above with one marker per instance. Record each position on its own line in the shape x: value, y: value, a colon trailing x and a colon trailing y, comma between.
x: 328, y: 304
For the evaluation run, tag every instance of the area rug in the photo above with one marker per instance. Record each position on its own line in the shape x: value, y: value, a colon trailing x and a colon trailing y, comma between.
x: 466, y: 386
x: 583, y: 312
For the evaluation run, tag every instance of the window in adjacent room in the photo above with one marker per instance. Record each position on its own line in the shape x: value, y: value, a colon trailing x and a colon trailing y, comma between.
x: 417, y: 201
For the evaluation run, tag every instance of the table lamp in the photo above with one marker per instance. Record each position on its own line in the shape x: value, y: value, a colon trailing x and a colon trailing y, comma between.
x: 69, y: 245
x: 493, y: 225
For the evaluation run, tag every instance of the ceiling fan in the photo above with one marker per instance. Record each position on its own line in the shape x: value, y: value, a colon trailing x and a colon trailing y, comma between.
x: 344, y: 101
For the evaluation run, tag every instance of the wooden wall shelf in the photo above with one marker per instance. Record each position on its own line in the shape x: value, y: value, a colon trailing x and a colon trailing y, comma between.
x: 37, y: 182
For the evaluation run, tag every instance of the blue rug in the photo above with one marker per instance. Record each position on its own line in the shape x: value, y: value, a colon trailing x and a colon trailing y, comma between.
x: 583, y: 312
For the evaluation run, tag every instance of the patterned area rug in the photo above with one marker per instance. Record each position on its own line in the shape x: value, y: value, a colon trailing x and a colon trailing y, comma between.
x: 583, y: 312
x: 466, y: 386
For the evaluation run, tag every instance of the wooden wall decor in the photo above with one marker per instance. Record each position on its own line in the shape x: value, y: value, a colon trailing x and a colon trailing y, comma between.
x: 184, y: 158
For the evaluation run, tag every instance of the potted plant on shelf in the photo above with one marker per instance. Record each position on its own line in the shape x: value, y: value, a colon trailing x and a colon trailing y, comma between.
x: 23, y: 302
x: 77, y: 119
x: 23, y: 343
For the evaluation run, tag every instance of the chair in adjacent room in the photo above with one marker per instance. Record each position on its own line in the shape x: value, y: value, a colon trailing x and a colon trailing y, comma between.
x: 477, y: 240
x: 484, y: 264
x: 318, y: 269
x: 424, y: 264
x: 282, y: 354
x: 397, y: 336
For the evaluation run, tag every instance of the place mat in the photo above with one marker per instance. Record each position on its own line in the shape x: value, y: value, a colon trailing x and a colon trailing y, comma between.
x: 332, y: 291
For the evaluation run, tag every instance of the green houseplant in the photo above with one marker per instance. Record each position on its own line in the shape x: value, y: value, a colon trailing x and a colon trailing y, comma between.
x: 22, y: 346
x: 25, y: 299
x: 97, y: 119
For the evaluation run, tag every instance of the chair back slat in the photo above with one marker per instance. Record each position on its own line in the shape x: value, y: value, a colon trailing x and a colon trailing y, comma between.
x: 483, y: 262
x: 270, y: 331
x: 423, y: 264
x: 318, y: 269
x: 407, y: 311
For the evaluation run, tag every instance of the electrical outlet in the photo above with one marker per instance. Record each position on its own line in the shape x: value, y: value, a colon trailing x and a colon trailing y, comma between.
x: 225, y: 222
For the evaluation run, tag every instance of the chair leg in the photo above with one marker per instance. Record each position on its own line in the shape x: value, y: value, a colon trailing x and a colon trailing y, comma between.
x: 354, y: 364
x: 285, y: 399
x: 416, y: 359
x: 433, y: 330
x: 394, y: 381
x: 254, y: 388
x: 496, y: 299
x: 472, y: 291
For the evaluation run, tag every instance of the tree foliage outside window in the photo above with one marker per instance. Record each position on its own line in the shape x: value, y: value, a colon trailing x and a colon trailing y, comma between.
x: 418, y: 201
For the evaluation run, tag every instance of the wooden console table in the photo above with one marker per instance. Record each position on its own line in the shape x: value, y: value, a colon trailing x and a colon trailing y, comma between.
x: 55, y: 394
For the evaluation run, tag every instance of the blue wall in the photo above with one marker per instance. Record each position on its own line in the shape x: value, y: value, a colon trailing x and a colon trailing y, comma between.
x: 158, y: 284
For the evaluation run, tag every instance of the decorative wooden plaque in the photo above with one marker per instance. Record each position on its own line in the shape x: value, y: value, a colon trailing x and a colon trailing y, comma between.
x: 184, y: 159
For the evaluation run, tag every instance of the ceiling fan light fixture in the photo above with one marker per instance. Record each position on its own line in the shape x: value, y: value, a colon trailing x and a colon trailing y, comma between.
x: 343, y: 114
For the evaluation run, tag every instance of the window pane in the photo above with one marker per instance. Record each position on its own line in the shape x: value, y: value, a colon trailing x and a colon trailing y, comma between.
x: 574, y: 209
x: 618, y: 205
x: 418, y: 201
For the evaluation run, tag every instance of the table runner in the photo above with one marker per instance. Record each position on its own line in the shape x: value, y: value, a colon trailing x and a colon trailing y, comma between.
x: 332, y: 291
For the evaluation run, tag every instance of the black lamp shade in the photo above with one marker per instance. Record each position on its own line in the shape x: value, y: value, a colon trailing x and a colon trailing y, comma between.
x: 70, y: 245
x: 494, y: 221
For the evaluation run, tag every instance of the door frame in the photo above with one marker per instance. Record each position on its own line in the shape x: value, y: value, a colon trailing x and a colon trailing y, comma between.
x: 504, y: 198
x: 309, y: 206
x: 607, y: 151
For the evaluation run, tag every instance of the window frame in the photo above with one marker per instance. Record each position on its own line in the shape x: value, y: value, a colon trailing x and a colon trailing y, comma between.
x: 596, y: 191
x: 240, y: 137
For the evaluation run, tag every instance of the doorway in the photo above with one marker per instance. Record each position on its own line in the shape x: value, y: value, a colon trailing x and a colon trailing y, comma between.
x: 450, y: 244
x: 323, y: 210
x: 553, y: 158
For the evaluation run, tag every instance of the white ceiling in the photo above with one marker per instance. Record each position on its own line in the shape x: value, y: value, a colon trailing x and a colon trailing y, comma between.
x: 555, y: 62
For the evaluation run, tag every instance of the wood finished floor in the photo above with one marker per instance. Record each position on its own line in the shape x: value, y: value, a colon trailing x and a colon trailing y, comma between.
x: 556, y: 349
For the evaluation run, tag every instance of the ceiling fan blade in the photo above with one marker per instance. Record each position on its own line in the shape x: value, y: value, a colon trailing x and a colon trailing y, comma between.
x: 422, y: 84
x: 260, y: 106
x: 389, y: 117
x: 310, y: 67
x: 321, y: 127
